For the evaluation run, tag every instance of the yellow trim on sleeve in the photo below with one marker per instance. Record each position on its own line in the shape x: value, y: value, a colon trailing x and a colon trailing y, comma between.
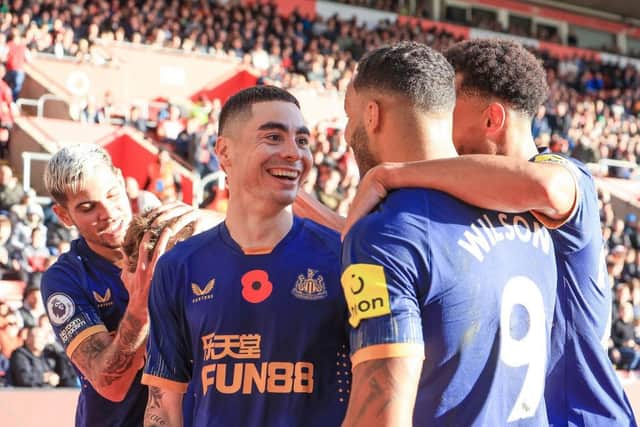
x: 154, y: 381
x: 384, y: 351
x: 91, y: 330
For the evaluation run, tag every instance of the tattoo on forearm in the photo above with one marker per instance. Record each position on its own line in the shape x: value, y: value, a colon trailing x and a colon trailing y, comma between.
x: 132, y: 333
x: 382, y: 385
x: 155, y: 397
x: 154, y: 420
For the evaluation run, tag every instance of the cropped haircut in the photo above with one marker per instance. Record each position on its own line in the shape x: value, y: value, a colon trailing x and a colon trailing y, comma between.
x: 502, y: 69
x: 143, y: 223
x: 412, y: 70
x: 68, y: 169
x: 241, y: 103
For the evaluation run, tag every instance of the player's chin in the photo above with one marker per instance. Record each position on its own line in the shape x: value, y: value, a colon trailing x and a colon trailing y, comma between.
x: 285, y: 198
x: 113, y: 242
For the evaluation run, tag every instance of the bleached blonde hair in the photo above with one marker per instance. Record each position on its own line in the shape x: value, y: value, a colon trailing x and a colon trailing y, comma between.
x: 68, y: 169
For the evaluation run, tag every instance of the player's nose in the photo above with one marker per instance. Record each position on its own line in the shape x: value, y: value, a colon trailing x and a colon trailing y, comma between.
x: 290, y: 149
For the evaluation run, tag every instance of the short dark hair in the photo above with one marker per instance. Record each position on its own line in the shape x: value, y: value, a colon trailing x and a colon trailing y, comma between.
x: 412, y: 70
x: 501, y: 69
x: 241, y: 102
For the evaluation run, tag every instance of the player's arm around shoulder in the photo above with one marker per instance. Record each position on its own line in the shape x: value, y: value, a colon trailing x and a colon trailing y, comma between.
x: 164, y: 408
x: 305, y: 206
x: 384, y: 392
x: 546, y: 186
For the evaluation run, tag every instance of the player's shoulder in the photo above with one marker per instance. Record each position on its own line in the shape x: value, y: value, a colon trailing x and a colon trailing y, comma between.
x: 68, y: 270
x: 562, y: 159
x: 320, y: 235
x: 402, y: 213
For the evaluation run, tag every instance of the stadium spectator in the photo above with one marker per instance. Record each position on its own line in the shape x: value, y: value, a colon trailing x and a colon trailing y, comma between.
x: 169, y: 129
x: 9, y: 331
x: 140, y: 200
x: 17, y: 56
x: 32, y: 307
x: 136, y: 120
x: 162, y: 179
x: 11, y: 191
x: 35, y: 258
x: 29, y: 366
x: 624, y: 338
x: 6, y: 113
x: 92, y: 112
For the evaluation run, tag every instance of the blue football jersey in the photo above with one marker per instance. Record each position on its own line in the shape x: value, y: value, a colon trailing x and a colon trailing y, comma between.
x: 84, y: 295
x: 470, y: 290
x: 582, y: 386
x: 260, y: 338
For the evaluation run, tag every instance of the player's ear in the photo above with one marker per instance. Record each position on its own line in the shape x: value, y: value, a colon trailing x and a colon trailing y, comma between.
x: 495, y: 118
x: 62, y: 213
x: 222, y: 152
x: 372, y: 116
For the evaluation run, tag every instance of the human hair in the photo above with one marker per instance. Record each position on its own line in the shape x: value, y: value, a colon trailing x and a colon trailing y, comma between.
x: 412, y: 70
x: 68, y: 169
x: 143, y: 223
x: 502, y: 69
x: 241, y: 103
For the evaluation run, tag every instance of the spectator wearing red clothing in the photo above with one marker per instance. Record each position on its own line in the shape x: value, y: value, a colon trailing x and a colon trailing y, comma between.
x: 17, y: 56
x: 6, y: 114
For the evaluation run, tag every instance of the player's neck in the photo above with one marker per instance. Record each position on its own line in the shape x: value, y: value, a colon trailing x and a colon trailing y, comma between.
x: 114, y: 256
x: 424, y: 139
x: 519, y: 141
x: 257, y: 230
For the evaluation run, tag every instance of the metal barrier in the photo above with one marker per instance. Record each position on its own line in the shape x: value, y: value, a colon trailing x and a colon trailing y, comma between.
x: 45, y: 98
x: 26, y: 101
x: 38, y: 103
x: 27, y: 158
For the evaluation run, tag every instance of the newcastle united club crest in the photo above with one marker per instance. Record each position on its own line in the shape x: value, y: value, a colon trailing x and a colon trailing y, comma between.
x: 310, y: 287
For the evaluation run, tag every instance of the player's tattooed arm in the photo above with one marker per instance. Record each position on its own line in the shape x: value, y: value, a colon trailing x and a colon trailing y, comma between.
x: 164, y: 408
x: 383, y: 392
x: 111, y: 363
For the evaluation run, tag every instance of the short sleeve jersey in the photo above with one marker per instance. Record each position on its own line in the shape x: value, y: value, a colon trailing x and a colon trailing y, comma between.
x: 582, y: 386
x: 84, y: 295
x: 472, y: 291
x: 259, y: 338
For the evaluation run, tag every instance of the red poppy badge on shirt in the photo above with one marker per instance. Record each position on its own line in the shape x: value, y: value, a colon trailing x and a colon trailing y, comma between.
x: 256, y: 286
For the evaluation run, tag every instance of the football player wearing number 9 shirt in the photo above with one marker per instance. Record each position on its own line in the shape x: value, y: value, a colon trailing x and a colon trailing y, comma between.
x: 450, y: 312
x: 251, y: 314
x: 499, y: 87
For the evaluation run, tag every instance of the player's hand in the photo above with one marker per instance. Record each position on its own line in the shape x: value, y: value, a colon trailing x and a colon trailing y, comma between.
x: 371, y: 191
x: 138, y: 282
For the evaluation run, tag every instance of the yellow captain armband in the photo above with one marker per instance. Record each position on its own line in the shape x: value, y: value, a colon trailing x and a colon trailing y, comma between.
x: 365, y: 289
